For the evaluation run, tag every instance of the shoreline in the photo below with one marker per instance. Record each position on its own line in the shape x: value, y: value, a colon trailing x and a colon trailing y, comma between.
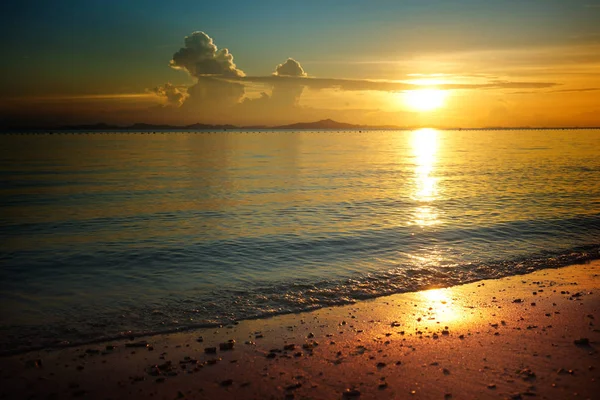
x: 512, y: 337
x: 589, y: 253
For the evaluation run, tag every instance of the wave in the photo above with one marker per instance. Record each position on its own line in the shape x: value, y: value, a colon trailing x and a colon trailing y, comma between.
x: 228, y: 305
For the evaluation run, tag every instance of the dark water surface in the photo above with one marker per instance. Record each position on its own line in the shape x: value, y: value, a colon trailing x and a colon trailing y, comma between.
x: 108, y: 233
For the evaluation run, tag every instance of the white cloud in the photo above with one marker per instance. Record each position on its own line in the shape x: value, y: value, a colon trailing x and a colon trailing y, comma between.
x: 289, y: 68
x: 200, y: 57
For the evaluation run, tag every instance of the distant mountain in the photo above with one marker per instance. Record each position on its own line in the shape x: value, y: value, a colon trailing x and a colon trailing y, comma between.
x: 205, y: 127
x: 331, y: 124
x: 140, y: 126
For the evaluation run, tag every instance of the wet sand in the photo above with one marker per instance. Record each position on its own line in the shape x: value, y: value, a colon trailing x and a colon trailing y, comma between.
x: 527, y: 336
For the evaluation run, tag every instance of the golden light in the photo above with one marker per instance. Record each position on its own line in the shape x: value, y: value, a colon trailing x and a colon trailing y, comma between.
x: 424, y: 144
x: 425, y: 99
x: 441, y: 307
x: 425, y: 216
x: 435, y: 296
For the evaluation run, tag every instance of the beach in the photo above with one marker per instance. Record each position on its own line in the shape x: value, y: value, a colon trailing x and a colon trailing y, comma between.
x: 532, y: 335
x: 313, y: 200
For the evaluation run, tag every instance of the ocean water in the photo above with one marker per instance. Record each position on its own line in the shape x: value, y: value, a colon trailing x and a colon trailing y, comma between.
x: 111, y: 234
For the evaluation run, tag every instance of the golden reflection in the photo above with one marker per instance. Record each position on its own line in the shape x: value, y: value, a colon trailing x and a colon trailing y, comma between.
x: 425, y: 216
x: 441, y: 307
x: 424, y: 145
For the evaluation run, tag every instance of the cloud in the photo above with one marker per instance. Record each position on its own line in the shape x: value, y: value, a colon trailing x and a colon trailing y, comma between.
x: 575, y: 90
x: 220, y: 88
x: 289, y: 68
x: 214, y: 94
x: 200, y: 57
x: 174, y: 95
x: 580, y: 90
x: 287, y: 92
x: 390, y: 86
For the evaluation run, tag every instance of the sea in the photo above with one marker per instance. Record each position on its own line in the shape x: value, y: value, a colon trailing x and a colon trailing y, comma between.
x: 116, y: 234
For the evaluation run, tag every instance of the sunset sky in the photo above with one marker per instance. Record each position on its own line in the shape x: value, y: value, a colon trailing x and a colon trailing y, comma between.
x: 462, y: 63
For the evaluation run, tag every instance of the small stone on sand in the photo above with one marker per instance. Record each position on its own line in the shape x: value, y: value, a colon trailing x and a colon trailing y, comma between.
x: 351, y: 393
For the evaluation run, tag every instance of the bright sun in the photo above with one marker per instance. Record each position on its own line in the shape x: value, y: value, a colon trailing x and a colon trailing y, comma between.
x: 425, y: 99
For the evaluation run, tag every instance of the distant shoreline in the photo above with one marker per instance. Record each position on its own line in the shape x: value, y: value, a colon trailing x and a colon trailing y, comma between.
x: 43, y: 131
x: 322, y: 125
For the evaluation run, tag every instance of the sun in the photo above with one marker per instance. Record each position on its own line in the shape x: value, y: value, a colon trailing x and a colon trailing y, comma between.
x: 425, y: 99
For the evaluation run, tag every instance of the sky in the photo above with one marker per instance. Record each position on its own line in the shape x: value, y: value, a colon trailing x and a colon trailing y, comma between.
x: 411, y: 63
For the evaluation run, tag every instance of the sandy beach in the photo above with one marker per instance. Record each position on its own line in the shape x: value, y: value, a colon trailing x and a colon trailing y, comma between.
x: 533, y: 335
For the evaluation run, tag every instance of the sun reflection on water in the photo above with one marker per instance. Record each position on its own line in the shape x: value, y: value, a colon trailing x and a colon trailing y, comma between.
x: 424, y: 146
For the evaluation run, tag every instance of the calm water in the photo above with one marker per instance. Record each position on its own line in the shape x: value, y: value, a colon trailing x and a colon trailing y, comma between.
x: 108, y: 233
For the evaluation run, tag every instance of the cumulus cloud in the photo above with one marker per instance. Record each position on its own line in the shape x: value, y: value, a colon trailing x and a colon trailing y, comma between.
x: 287, y: 89
x: 173, y: 95
x: 286, y: 93
x: 201, y: 57
x: 289, y: 68
x: 213, y: 94
x: 215, y: 89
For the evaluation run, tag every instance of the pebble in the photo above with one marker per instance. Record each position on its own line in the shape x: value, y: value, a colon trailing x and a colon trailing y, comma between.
x: 351, y: 393
x: 227, y: 345
x: 137, y: 344
x: 294, y: 386
x: 37, y: 363
x: 227, y: 382
x: 582, y: 342
x: 527, y: 374
x: 210, y: 350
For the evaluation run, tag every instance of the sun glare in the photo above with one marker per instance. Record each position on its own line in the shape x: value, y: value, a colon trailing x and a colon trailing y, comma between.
x: 425, y: 99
